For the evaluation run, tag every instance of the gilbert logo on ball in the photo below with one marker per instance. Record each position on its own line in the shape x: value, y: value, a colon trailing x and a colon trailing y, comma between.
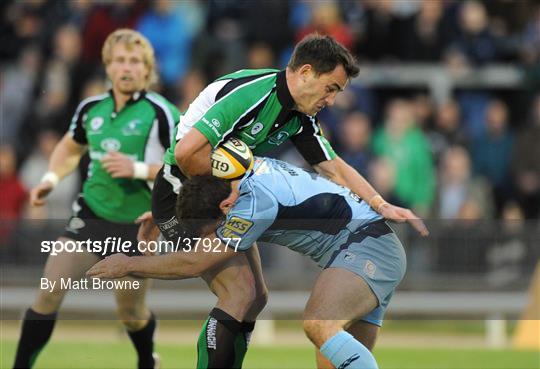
x: 232, y: 159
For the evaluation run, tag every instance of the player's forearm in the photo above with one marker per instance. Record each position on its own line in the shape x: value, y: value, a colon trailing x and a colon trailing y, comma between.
x: 153, y: 170
x: 195, y: 164
x: 169, y: 266
x: 65, y: 156
x: 343, y: 174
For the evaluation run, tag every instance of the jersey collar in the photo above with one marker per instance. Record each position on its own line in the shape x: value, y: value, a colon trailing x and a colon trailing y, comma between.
x: 283, y: 94
x: 137, y: 95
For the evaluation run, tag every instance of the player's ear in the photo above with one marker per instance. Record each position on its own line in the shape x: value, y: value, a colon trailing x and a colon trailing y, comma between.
x: 304, y: 71
x: 227, y: 204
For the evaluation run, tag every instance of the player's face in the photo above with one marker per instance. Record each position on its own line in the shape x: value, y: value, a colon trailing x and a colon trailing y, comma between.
x: 319, y: 91
x: 127, y: 69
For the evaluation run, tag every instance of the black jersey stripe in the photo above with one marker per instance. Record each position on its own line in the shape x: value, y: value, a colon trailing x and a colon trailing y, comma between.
x: 165, y: 121
x: 76, y: 128
x: 234, y: 83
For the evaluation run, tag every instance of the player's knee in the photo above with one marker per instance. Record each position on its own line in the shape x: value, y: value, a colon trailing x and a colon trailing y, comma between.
x: 319, y: 331
x: 242, y: 291
x: 48, y: 302
x: 132, y: 317
x: 260, y: 301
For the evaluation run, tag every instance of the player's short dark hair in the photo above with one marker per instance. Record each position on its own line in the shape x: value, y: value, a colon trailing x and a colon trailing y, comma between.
x: 324, y: 54
x: 197, y: 204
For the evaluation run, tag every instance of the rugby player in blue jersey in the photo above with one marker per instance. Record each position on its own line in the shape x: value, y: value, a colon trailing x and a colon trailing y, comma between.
x: 285, y: 205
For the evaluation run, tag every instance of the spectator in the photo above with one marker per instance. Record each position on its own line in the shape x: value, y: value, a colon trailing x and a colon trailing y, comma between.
x: 189, y: 88
x: 475, y: 42
x: 382, y: 175
x: 355, y: 135
x: 457, y: 187
x: 260, y: 56
x: 13, y: 193
x: 406, y: 147
x: 491, y: 152
x: 62, y: 79
x: 102, y: 21
x: 378, y: 41
x: 326, y: 20
x: 424, y: 35
x: 526, y: 164
x: 167, y: 30
x: 16, y: 93
x: 448, y: 130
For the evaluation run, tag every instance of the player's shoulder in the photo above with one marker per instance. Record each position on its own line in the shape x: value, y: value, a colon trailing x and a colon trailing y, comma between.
x: 242, y: 73
x: 92, y: 100
x: 160, y: 102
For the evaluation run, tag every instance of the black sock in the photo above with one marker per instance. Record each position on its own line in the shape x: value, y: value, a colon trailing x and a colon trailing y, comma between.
x: 35, y: 332
x: 143, y: 340
x: 216, y: 346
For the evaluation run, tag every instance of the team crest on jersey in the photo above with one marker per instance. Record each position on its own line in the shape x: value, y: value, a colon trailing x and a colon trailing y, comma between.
x: 110, y: 144
x: 257, y: 127
x: 279, y: 138
x: 132, y: 128
x: 95, y: 124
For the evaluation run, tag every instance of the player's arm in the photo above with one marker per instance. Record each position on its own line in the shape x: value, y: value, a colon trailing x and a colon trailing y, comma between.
x: 176, y: 265
x: 119, y: 165
x: 343, y: 174
x: 318, y: 152
x: 64, y: 159
x: 192, y: 154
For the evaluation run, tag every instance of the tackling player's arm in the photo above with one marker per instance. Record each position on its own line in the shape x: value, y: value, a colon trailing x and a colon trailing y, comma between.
x: 64, y: 159
x: 177, y: 265
x: 193, y: 154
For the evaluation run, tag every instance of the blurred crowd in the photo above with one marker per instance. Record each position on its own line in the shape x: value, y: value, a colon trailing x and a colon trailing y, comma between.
x: 473, y: 157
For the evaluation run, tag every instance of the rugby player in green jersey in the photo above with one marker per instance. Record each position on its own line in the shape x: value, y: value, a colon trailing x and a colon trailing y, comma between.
x: 126, y: 132
x: 263, y: 108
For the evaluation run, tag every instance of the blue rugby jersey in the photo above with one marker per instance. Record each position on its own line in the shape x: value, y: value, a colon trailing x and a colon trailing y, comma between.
x: 285, y: 205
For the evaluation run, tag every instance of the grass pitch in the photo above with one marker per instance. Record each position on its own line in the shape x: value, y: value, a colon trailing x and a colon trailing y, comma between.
x: 117, y: 355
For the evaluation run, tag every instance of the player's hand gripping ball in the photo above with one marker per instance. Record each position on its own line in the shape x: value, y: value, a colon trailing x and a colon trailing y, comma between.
x: 231, y: 160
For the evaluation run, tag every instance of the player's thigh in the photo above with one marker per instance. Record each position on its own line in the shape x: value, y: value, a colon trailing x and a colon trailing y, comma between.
x: 338, y: 297
x: 254, y: 260
x: 339, y: 294
x: 234, y: 285
x: 59, y: 270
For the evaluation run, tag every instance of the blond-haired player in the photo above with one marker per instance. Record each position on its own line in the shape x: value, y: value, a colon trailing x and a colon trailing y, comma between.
x: 125, y: 131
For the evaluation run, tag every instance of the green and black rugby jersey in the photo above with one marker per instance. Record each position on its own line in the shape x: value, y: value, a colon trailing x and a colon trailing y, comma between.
x: 255, y: 106
x: 143, y: 130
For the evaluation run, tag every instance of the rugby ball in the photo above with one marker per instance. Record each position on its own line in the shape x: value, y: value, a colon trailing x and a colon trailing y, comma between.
x: 231, y: 160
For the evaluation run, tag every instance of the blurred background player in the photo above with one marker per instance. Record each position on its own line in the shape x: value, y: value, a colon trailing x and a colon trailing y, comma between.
x: 126, y: 132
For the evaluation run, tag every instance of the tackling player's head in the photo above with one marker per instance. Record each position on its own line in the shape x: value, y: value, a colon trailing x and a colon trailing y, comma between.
x: 319, y: 68
x: 203, y: 201
x: 129, y: 61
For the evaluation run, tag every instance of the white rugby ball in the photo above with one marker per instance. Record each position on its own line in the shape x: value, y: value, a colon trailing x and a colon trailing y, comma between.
x: 232, y: 159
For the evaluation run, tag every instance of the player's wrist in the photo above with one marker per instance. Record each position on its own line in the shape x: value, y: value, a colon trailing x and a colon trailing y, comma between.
x: 377, y: 203
x: 51, y: 177
x: 141, y: 170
